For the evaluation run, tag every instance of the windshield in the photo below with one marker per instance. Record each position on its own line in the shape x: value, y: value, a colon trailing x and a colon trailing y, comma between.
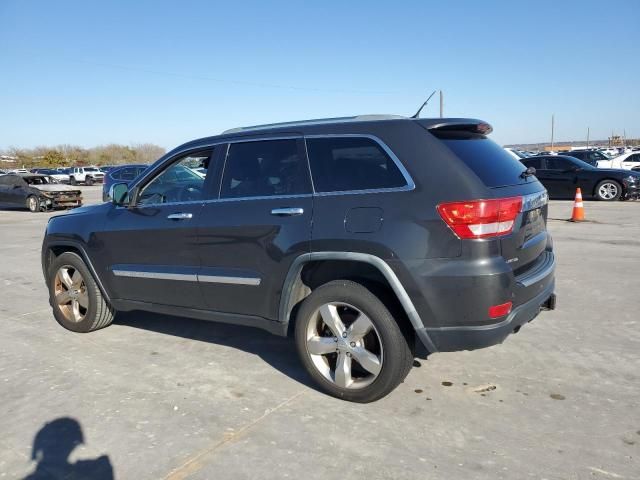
x: 39, y: 180
x: 582, y: 164
x: 90, y: 169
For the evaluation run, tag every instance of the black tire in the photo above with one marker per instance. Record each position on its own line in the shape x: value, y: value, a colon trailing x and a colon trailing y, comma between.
x: 89, y: 181
x: 73, y: 181
x: 395, y: 345
x: 606, y: 198
x: 99, y: 313
x: 33, y: 203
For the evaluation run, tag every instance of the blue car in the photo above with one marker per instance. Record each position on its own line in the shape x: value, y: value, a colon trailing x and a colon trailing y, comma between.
x: 120, y: 174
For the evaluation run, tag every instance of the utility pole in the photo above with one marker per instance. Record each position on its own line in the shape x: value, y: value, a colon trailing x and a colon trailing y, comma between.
x: 441, y: 104
x: 552, y: 125
x: 587, y: 137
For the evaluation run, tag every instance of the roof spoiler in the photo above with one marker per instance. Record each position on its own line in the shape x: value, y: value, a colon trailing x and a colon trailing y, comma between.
x: 470, y: 125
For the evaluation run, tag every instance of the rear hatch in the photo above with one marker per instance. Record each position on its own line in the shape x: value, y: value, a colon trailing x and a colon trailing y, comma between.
x: 505, y: 177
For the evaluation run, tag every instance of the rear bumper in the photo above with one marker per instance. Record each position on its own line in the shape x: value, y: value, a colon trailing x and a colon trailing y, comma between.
x: 450, y: 339
x: 452, y: 299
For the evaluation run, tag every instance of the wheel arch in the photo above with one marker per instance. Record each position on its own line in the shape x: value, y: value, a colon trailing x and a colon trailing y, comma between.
x: 295, y: 289
x: 56, y: 248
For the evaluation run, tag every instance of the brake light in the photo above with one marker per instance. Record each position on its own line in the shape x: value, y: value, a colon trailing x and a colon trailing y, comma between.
x: 481, y: 218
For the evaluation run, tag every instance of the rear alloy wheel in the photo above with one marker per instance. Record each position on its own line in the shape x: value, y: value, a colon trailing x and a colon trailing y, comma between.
x: 608, y: 190
x: 77, y: 302
x: 350, y: 343
x: 33, y: 204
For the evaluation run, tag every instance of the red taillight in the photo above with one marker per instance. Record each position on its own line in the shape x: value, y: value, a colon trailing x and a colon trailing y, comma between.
x: 500, y: 310
x: 481, y: 218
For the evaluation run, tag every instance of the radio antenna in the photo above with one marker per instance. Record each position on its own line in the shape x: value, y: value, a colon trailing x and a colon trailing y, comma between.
x: 423, y: 105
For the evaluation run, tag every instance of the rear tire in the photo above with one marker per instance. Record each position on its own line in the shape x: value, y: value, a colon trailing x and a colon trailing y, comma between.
x: 33, y: 204
x: 77, y: 302
x: 73, y: 181
x: 350, y: 343
x: 608, y: 191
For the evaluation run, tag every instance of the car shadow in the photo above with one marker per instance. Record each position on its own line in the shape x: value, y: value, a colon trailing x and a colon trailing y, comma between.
x: 279, y: 352
x: 53, y: 445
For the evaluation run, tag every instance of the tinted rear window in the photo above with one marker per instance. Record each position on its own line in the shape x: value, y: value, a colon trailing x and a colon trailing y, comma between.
x: 340, y: 164
x: 488, y: 160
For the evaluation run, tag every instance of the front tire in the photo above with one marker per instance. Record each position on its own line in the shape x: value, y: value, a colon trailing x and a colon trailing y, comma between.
x: 33, y: 204
x: 608, y: 190
x: 77, y: 302
x: 350, y: 343
x: 89, y: 181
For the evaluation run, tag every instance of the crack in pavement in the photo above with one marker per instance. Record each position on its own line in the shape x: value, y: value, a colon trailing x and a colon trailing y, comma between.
x: 198, y: 461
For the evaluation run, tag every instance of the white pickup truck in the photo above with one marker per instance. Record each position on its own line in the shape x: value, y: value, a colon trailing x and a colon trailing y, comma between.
x: 86, y: 175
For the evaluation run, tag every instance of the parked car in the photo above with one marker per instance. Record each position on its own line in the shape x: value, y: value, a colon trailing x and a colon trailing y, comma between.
x: 120, y: 174
x: 517, y: 154
x: 86, y: 175
x: 359, y: 236
x: 37, y: 192
x: 626, y: 161
x: 59, y: 176
x: 562, y: 174
x: 592, y: 157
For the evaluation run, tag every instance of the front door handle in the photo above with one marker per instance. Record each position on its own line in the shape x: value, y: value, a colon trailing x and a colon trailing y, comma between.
x: 287, y: 212
x: 180, y: 216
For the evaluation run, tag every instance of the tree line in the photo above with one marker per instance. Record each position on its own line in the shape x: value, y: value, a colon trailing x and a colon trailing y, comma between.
x: 73, y: 155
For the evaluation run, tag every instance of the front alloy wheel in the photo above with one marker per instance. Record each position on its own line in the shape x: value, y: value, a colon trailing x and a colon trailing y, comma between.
x: 608, y: 190
x: 78, y: 303
x: 70, y: 293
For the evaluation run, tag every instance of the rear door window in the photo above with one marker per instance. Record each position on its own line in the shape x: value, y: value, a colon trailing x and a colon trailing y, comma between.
x: 265, y: 168
x: 489, y: 161
x: 340, y: 164
x: 558, y: 164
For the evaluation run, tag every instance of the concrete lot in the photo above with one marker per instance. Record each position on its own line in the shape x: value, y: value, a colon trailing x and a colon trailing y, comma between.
x: 174, y: 398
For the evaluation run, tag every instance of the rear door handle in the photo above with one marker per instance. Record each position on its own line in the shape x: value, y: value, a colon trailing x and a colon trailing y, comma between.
x: 287, y: 212
x: 180, y: 216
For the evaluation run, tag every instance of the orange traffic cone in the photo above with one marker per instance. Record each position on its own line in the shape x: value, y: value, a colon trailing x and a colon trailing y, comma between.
x: 578, y: 208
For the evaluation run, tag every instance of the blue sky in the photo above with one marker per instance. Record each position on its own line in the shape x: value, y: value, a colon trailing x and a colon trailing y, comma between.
x: 90, y: 73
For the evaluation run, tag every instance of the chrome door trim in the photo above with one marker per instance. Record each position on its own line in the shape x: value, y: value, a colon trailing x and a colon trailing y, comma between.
x: 185, y: 277
x: 188, y: 277
x: 252, y: 281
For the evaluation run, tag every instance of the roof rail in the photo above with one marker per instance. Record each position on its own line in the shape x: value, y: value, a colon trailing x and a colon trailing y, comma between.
x: 318, y: 121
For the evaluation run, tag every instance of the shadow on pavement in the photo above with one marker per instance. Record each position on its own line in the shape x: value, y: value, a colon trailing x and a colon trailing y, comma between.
x: 53, y: 445
x: 279, y: 352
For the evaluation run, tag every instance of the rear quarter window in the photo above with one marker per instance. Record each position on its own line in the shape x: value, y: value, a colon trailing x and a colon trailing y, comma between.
x: 340, y: 164
x: 489, y: 161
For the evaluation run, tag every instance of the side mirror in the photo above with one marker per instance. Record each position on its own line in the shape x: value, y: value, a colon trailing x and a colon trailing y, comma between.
x: 119, y: 193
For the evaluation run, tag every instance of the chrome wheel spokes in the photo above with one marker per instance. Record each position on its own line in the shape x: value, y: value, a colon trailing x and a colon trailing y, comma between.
x: 608, y: 191
x: 70, y: 293
x: 344, y: 345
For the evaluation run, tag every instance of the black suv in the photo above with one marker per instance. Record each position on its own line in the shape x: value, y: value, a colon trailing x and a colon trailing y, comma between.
x: 357, y: 236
